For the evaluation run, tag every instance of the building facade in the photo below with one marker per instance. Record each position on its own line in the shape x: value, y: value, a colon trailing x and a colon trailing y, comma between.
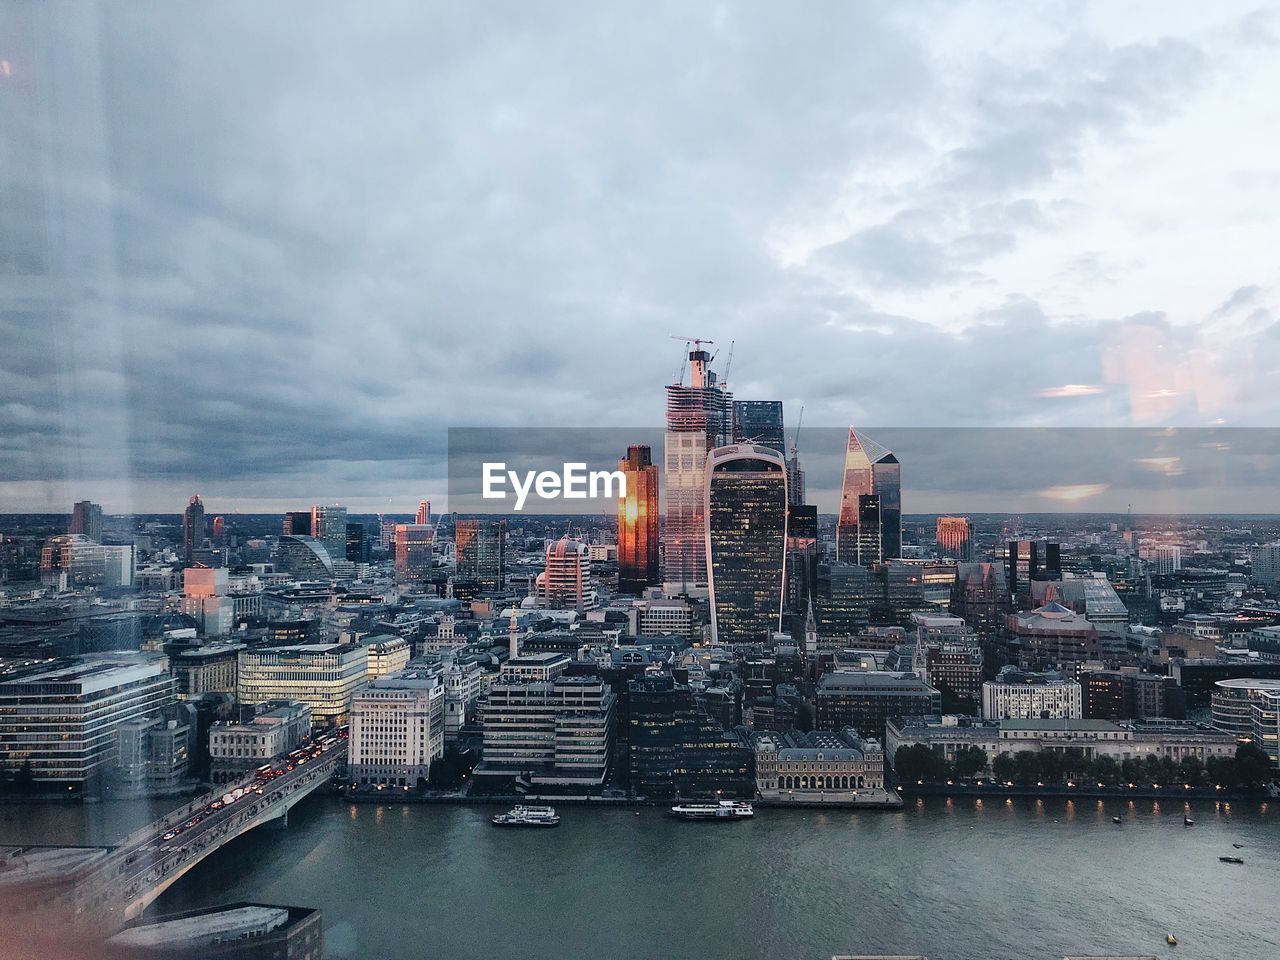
x: 324, y: 676
x: 638, y: 523
x: 746, y: 541
x: 397, y: 729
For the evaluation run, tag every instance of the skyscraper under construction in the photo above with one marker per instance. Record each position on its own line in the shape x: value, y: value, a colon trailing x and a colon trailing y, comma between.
x: 698, y: 420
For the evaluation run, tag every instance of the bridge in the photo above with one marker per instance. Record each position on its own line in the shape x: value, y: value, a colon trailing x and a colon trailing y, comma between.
x: 103, y: 889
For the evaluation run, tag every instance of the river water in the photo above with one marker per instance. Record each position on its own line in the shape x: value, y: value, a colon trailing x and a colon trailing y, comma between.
x: 950, y: 879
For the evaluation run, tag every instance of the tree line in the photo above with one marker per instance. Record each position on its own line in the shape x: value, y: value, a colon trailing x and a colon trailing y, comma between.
x: 1250, y: 768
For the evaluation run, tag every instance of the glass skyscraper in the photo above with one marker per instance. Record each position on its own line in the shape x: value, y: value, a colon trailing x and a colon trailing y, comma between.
x: 759, y: 422
x: 638, y: 527
x: 869, y: 469
x: 193, y: 529
x: 746, y: 541
x: 481, y: 551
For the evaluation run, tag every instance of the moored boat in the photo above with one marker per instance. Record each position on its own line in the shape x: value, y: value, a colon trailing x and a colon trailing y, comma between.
x: 527, y: 816
x: 1231, y: 859
x: 723, y: 810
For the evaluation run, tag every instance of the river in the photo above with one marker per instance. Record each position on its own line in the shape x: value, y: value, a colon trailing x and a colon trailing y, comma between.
x: 950, y: 879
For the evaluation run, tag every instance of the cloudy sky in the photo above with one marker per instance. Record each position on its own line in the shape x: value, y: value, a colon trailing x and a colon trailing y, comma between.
x: 269, y: 252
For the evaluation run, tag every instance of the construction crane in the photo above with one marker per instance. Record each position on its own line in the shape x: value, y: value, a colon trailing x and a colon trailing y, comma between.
x: 684, y: 359
x: 728, y: 363
x: 795, y: 441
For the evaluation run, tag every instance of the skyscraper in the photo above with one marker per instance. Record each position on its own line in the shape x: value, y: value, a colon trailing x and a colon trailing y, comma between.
x: 869, y: 469
x: 86, y: 519
x: 746, y: 536
x: 424, y: 512
x: 638, y: 527
x: 357, y: 543
x: 297, y: 523
x: 697, y: 421
x: 329, y: 526
x: 1028, y: 560
x: 193, y: 531
x: 414, y: 546
x: 759, y: 422
x: 802, y: 553
x: 481, y: 550
x: 565, y: 584
x: 955, y: 538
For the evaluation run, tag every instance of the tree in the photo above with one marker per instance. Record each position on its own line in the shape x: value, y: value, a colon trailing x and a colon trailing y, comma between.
x: 1104, y: 769
x: 1253, y: 768
x: 1191, y: 770
x: 919, y: 762
x: 1003, y: 767
x: 1221, y: 770
x: 1027, y: 767
x: 970, y: 762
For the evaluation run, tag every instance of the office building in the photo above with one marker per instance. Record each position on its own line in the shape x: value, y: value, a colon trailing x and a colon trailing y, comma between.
x: 358, y: 548
x: 655, y: 618
x: 746, y: 538
x: 236, y: 931
x: 864, y: 699
x: 676, y: 750
x: 72, y: 561
x: 638, y: 523
x: 64, y: 721
x: 545, y: 729
x: 423, y: 516
x: 802, y: 555
x: 1233, y: 701
x: 759, y: 422
x: 1264, y: 565
x: 1054, y: 636
x: 86, y: 520
x: 698, y: 421
x: 870, y: 495
x: 480, y: 550
x: 324, y: 676
x: 565, y: 582
x: 414, y: 548
x: 297, y: 523
x: 329, y: 526
x: 980, y: 595
x: 1030, y: 560
x: 948, y: 656
x: 304, y: 558
x: 955, y: 538
x: 397, y: 729
x: 388, y: 653
x: 194, y: 534
x: 1023, y: 695
x: 154, y: 752
x: 207, y: 669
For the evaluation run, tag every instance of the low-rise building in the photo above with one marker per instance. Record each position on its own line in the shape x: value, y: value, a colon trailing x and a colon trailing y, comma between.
x: 277, y: 728
x: 1135, y: 740
x: 835, y: 767
x: 388, y: 654
x: 1022, y: 694
x: 237, y: 931
x: 865, y: 699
